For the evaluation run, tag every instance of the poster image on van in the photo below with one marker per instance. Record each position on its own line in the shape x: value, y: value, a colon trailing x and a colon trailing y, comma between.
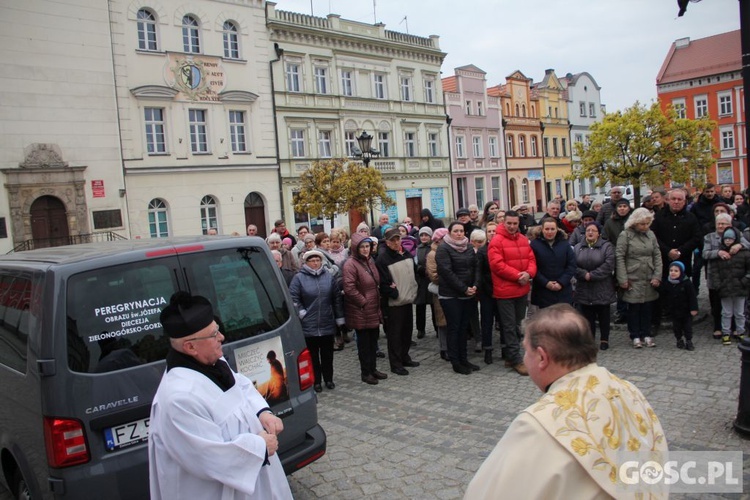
x: 264, y: 364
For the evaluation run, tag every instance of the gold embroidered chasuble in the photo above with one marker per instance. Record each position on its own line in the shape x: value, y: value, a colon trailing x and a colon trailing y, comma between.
x: 566, y: 445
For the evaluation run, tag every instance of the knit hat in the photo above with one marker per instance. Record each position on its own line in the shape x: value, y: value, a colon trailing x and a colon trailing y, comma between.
x: 678, y: 264
x: 439, y: 234
x: 426, y: 230
x: 312, y: 253
x: 590, y: 214
x: 363, y: 225
x: 573, y: 215
x: 622, y: 201
x: 185, y: 315
x: 729, y: 234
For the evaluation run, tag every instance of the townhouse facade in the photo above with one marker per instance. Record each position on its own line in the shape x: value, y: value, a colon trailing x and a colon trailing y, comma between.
x: 476, y: 136
x: 585, y: 108
x: 196, y: 116
x: 704, y: 78
x: 523, y: 132
x: 334, y: 79
x: 555, y: 135
x: 60, y: 149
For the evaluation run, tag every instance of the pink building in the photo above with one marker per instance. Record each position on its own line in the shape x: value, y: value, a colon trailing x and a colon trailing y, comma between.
x: 476, y: 140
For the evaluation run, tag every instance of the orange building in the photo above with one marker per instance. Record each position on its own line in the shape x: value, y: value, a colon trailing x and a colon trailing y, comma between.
x: 704, y: 77
x: 523, y: 132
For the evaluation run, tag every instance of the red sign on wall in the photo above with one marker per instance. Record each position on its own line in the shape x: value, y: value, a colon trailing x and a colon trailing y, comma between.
x: 97, y: 187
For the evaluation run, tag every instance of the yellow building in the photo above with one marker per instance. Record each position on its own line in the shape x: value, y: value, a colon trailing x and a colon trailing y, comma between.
x: 553, y: 113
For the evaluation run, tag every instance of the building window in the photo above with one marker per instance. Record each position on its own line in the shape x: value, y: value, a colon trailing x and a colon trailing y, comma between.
x: 701, y: 107
x: 324, y: 143
x: 495, y: 180
x: 208, y: 214
x: 347, y: 83
x: 509, y: 146
x: 725, y: 104
x: 679, y: 107
x: 554, y: 147
x: 321, y: 80
x: 493, y: 147
x: 523, y: 110
x: 468, y: 108
x: 158, y: 224
x: 190, y: 35
x: 476, y: 144
x: 429, y: 90
x: 534, y: 151
x: 582, y: 108
x: 410, y: 146
x: 525, y: 191
x: 592, y: 110
x: 198, y: 131
x: 461, y: 191
x: 147, y: 30
x: 518, y: 110
x: 480, y: 110
x: 564, y: 143
x: 292, y: 77
x: 727, y: 139
x: 479, y: 190
x: 460, y: 151
x: 521, y: 145
x: 231, y: 41
x: 298, y: 143
x: 379, y: 80
x: 155, y: 139
x: 384, y: 144
x: 579, y: 138
x: 432, y: 144
x: 237, y: 131
x: 406, y: 94
x: 545, y: 146
x: 350, y: 143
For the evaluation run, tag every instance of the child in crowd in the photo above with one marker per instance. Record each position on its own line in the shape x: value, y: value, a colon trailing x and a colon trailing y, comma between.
x: 733, y: 273
x: 683, y: 302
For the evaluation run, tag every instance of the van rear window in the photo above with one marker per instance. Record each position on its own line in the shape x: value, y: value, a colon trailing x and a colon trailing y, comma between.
x: 113, y: 313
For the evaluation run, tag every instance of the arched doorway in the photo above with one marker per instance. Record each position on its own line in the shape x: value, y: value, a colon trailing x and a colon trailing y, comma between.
x: 49, y: 222
x: 512, y: 193
x: 255, y: 212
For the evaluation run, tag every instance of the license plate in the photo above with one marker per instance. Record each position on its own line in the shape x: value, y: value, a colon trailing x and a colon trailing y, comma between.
x: 125, y: 435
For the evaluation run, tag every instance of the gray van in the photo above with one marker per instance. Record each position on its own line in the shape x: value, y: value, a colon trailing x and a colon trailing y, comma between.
x: 82, y: 353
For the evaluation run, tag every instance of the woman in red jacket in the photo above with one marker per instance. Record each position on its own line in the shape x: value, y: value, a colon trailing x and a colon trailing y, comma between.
x: 362, y: 305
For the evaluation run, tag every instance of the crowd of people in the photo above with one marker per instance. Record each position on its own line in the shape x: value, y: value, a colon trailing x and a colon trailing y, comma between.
x: 484, y: 272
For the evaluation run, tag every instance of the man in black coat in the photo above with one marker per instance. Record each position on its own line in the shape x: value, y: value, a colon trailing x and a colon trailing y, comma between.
x: 704, y: 211
x: 678, y: 233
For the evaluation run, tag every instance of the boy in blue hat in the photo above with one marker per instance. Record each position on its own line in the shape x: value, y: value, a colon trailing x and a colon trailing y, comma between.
x: 683, y: 302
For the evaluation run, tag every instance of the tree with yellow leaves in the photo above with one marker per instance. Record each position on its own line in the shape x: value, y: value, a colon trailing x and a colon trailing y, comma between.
x: 338, y: 185
x: 644, y: 146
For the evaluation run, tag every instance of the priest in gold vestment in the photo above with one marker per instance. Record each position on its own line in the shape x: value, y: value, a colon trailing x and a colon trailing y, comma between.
x: 571, y: 442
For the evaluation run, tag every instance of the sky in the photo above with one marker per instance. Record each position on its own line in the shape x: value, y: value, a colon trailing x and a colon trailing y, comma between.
x: 621, y: 43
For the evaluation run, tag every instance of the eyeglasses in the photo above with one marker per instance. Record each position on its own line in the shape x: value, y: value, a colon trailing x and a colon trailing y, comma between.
x: 212, y: 336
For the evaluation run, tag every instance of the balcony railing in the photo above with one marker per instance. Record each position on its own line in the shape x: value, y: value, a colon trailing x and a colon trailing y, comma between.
x: 66, y: 240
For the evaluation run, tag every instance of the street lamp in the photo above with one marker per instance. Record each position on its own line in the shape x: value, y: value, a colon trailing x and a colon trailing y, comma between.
x: 365, y: 152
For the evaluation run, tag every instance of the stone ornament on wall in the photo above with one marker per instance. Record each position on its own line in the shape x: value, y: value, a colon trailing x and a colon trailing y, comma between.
x: 39, y: 155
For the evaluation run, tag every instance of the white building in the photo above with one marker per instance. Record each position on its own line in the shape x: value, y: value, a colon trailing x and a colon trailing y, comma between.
x: 336, y: 78
x: 196, y: 116
x: 59, y: 146
x: 584, y: 109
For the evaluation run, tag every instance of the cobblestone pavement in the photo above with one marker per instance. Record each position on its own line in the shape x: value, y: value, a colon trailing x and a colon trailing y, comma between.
x: 424, y: 435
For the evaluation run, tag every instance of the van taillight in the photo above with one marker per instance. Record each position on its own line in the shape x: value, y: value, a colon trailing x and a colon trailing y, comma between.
x: 305, y: 370
x: 66, y: 442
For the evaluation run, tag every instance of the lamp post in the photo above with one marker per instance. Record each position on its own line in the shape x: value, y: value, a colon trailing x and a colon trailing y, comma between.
x: 366, y: 153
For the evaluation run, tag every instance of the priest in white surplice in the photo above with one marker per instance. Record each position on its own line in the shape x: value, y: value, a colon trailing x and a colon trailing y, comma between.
x: 567, y: 444
x: 212, y: 435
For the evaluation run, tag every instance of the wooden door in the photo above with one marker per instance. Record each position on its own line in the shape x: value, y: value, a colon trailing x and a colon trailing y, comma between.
x: 49, y: 222
x: 414, y: 210
x: 255, y: 213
